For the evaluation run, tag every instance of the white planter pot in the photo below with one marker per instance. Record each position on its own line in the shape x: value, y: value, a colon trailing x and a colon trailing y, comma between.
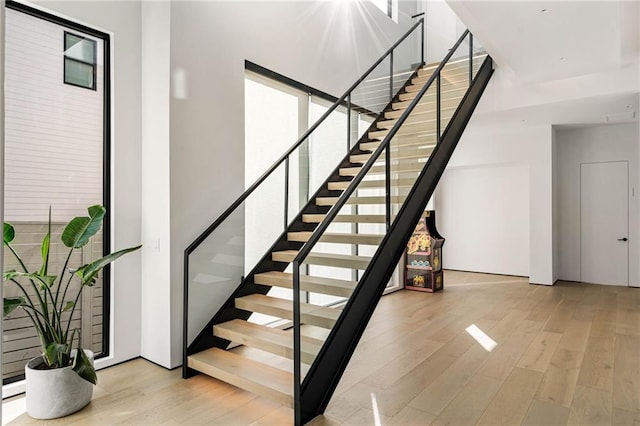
x: 55, y: 393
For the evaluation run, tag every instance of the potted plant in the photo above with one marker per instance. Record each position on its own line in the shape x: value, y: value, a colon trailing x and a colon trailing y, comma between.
x: 60, y: 381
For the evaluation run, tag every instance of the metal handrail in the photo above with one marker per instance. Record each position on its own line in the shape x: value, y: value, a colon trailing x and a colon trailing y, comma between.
x: 330, y: 216
x: 203, y: 236
x: 306, y: 248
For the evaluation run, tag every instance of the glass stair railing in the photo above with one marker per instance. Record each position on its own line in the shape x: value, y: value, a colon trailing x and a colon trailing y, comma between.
x: 282, y: 318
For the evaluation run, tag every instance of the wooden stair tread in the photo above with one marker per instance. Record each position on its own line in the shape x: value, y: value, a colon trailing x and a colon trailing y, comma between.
x: 330, y: 201
x: 446, y: 93
x: 338, y: 238
x: 282, y: 308
x: 377, y: 170
x: 422, y: 116
x: 395, y: 156
x: 395, y: 183
x: 273, y: 340
x: 244, y: 373
x: 416, y: 119
x: 346, y: 218
x: 372, y: 145
x: 326, y: 259
x: 424, y: 107
x: 411, y: 128
x: 331, y: 286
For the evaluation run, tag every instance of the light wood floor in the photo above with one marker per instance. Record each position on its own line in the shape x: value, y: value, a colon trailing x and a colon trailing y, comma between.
x: 567, y: 354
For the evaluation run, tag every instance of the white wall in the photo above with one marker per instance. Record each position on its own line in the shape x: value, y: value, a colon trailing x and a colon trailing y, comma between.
x: 326, y: 45
x: 483, y: 200
x: 541, y: 205
x: 443, y: 28
x: 593, y: 144
x: 156, y: 291
x: 484, y: 215
x: 122, y: 20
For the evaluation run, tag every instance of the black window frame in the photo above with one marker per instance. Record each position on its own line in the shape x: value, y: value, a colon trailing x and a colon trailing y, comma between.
x: 68, y: 58
x: 106, y: 157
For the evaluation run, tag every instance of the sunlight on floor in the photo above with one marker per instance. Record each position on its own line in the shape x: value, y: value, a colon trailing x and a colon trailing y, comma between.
x: 376, y: 412
x: 481, y: 337
x: 11, y: 410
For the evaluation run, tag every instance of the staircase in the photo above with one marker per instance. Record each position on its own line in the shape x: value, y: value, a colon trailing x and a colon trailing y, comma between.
x: 344, y: 242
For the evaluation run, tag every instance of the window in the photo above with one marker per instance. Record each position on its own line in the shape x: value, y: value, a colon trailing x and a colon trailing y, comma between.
x: 79, y: 61
x: 56, y: 154
x: 388, y: 7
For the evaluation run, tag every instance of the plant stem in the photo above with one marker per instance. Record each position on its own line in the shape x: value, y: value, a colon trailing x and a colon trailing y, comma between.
x: 64, y: 294
x: 64, y: 268
x: 75, y: 303
x: 37, y: 324
x: 43, y: 305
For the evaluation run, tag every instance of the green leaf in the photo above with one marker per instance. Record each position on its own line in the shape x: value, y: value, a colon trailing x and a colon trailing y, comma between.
x: 9, y: 275
x: 13, y: 303
x: 78, y: 232
x: 87, y: 273
x: 56, y: 354
x: 9, y: 233
x: 45, y: 248
x: 83, y: 366
x: 44, y: 280
x: 68, y: 306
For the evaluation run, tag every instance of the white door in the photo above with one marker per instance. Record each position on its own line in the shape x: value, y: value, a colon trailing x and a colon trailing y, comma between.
x: 604, y: 223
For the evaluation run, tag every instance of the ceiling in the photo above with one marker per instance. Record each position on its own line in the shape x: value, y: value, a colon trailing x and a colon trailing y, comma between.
x: 539, y: 45
x: 537, y: 41
x: 610, y: 109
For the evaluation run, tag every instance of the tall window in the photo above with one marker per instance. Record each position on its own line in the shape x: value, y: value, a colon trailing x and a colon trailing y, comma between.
x: 276, y: 113
x: 388, y: 7
x: 56, y: 137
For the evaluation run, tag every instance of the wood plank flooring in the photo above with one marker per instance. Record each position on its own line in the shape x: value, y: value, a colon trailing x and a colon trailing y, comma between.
x: 565, y: 355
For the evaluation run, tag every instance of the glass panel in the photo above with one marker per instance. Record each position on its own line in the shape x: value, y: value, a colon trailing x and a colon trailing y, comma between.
x: 327, y: 144
x: 454, y: 83
x: 373, y: 94
x: 78, y: 73
x: 479, y: 54
x: 272, y: 122
x: 217, y: 266
x: 79, y: 48
x: 344, y: 251
x: 271, y: 127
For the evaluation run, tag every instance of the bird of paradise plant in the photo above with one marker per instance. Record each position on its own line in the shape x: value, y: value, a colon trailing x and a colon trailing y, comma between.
x: 45, y: 308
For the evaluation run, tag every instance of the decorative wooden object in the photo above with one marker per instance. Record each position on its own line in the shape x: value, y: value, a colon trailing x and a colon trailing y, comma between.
x: 423, y: 264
